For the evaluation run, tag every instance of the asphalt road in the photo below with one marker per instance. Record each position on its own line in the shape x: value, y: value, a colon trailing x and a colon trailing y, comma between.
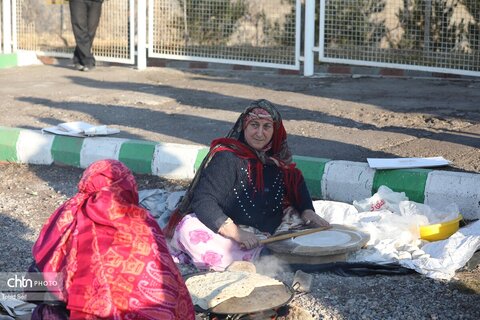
x: 339, y: 118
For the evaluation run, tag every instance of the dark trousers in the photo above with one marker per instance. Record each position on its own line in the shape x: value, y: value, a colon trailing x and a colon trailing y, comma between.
x: 85, y: 16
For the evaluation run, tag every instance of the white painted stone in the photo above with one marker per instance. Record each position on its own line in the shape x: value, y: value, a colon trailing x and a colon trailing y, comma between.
x: 346, y: 181
x: 445, y: 187
x: 27, y: 58
x: 175, y: 161
x: 34, y: 147
x: 95, y: 149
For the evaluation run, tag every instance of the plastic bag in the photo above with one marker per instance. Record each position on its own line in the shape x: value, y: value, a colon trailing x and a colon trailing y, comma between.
x: 431, y: 215
x: 386, y: 225
x: 335, y: 212
x: 384, y: 199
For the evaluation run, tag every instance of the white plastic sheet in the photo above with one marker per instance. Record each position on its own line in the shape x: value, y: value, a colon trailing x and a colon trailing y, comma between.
x: 394, y: 235
x: 447, y: 256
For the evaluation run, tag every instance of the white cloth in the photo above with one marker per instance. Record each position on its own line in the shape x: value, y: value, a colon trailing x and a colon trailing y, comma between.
x: 447, y: 256
x: 394, y: 238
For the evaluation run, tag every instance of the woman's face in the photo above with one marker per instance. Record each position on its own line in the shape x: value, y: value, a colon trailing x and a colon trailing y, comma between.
x: 258, y: 133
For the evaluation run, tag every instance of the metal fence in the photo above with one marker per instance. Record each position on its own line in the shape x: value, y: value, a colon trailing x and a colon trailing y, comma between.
x: 45, y: 27
x: 248, y: 32
x: 5, y: 26
x: 425, y: 35
x: 1, y: 27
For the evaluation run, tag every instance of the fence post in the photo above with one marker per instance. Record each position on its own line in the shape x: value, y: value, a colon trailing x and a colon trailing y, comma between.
x: 7, y: 26
x: 426, y: 37
x: 309, y: 38
x: 13, y: 23
x: 141, y: 34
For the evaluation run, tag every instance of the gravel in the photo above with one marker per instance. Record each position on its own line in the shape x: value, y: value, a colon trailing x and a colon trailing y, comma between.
x: 29, y: 194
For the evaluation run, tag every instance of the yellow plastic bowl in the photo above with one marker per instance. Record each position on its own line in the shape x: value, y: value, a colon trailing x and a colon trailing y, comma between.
x: 440, y: 231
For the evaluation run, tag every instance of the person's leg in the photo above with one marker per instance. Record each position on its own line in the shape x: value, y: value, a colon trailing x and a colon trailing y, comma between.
x: 94, y: 14
x: 78, y: 15
x: 207, y: 249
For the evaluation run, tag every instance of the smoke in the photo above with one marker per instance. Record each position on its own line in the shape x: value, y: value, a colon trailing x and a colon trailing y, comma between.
x: 271, y: 266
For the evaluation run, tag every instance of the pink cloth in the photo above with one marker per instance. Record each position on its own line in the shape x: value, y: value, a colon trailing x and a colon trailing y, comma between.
x: 208, y: 250
x: 111, y: 253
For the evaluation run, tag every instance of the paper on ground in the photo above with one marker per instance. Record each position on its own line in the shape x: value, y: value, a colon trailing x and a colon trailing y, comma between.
x: 80, y: 129
x: 402, y: 163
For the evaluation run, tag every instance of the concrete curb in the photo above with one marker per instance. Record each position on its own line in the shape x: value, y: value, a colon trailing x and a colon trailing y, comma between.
x: 18, y: 59
x: 343, y: 181
x: 8, y: 60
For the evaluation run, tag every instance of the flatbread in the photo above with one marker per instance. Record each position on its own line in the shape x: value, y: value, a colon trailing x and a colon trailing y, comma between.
x: 327, y: 238
x: 210, y: 289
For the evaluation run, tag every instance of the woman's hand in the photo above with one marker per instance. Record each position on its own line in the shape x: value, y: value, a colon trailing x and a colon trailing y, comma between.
x: 247, y: 240
x: 312, y: 219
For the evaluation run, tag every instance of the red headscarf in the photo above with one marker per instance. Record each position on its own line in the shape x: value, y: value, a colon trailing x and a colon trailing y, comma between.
x: 277, y: 152
x: 111, y: 253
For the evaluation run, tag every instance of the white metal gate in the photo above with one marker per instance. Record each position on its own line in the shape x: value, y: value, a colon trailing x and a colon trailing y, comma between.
x: 45, y: 28
x: 424, y: 35
x: 246, y: 32
x: 5, y: 26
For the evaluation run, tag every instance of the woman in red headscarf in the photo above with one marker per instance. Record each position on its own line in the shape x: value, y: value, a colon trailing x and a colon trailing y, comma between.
x: 244, y: 187
x: 108, y: 255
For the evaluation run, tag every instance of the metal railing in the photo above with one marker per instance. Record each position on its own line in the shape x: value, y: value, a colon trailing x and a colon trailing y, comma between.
x: 248, y: 32
x: 426, y: 35
x: 46, y: 29
x: 6, y: 27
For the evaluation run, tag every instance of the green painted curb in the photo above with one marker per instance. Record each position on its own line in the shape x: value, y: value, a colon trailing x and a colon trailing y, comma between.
x: 410, y: 181
x: 66, y: 150
x: 137, y: 155
x: 8, y: 144
x: 200, y: 155
x: 8, y: 60
x: 312, y: 169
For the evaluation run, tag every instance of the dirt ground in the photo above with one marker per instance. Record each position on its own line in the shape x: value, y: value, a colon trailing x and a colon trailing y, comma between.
x: 30, y: 193
x: 341, y: 118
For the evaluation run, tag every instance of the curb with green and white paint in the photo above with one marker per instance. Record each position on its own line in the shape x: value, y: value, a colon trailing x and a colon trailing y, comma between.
x: 8, y: 60
x: 18, y: 59
x: 343, y: 181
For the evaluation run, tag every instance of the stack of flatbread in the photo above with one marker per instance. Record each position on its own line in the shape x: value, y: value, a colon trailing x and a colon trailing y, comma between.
x: 210, y: 289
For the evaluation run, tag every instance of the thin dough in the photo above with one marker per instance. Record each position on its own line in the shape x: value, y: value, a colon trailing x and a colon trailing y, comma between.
x: 210, y: 289
x: 323, y: 239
